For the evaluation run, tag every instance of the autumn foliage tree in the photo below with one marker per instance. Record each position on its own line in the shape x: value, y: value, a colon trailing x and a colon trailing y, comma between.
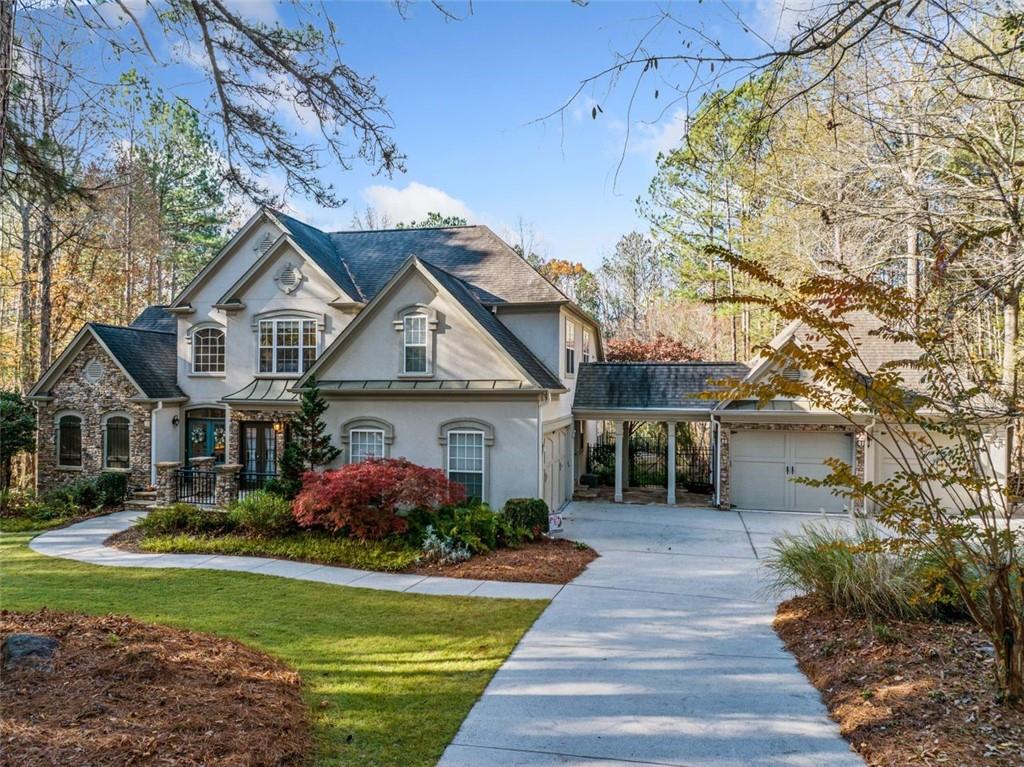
x: 369, y: 500
x: 661, y: 348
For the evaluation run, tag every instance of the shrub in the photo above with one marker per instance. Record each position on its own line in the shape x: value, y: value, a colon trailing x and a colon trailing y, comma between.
x: 527, y: 514
x: 262, y: 514
x: 851, y: 573
x: 475, y: 527
x: 185, y: 518
x: 442, y: 549
x: 84, y: 493
x: 111, y: 487
x: 372, y: 499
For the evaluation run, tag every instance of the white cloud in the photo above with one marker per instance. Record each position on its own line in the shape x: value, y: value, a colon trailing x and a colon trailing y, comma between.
x: 662, y: 136
x: 777, y: 20
x: 414, y: 202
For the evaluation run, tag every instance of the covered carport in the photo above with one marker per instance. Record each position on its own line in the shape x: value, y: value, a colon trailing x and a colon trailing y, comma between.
x: 664, y: 393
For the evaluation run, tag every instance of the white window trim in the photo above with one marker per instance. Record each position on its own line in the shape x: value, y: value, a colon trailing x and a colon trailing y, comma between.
x: 569, y: 347
x: 483, y: 458
x: 366, y: 424
x: 365, y: 430
x: 406, y: 345
x: 588, y: 341
x: 56, y: 440
x: 473, y: 426
x: 432, y: 322
x: 103, y: 430
x: 274, y: 322
x: 189, y: 336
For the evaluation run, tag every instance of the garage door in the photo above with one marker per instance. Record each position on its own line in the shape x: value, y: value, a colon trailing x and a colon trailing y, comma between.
x: 764, y: 463
x: 887, y: 446
x: 556, y: 467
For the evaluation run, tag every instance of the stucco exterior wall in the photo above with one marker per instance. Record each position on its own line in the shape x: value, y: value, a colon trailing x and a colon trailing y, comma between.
x: 512, y: 461
x: 241, y: 340
x: 458, y: 348
x: 72, y: 393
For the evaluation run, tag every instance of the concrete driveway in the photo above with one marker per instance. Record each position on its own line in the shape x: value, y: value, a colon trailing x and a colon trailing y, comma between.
x: 661, y: 653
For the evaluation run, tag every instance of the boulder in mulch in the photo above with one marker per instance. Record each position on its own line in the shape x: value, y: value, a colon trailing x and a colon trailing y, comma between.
x: 28, y: 651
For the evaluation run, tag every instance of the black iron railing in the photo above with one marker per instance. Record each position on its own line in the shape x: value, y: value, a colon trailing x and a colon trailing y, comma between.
x: 251, y: 481
x: 196, y: 486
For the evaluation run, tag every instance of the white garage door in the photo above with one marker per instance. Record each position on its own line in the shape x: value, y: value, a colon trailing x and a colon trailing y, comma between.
x: 764, y: 463
x: 556, y: 467
x: 886, y: 446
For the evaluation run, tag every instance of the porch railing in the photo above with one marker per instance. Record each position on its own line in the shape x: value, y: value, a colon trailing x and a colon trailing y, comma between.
x: 196, y: 486
x: 251, y: 481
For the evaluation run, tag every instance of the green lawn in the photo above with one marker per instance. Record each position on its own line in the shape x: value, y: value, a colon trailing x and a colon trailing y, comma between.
x: 398, y: 672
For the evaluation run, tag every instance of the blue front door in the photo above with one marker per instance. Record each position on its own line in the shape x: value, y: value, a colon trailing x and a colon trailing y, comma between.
x: 205, y: 434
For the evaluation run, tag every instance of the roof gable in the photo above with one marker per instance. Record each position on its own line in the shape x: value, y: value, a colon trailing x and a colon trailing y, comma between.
x: 478, y: 317
x: 147, y: 358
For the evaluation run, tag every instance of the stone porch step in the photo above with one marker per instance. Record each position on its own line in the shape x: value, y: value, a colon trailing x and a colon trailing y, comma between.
x: 144, y: 494
x: 140, y: 504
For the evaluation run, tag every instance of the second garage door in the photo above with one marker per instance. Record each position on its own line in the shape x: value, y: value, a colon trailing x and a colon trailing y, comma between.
x: 764, y: 463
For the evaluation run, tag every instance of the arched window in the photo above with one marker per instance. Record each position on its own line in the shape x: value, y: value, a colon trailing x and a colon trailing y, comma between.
x: 466, y: 445
x: 116, y: 453
x: 69, y: 440
x: 208, y: 350
x: 367, y: 438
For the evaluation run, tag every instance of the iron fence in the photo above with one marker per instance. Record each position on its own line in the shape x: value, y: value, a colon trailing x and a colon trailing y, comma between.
x: 647, y: 462
x: 196, y: 486
x: 251, y: 481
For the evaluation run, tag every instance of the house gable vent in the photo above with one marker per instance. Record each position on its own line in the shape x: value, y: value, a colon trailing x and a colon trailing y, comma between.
x: 792, y: 374
x: 93, y: 371
x: 263, y: 244
x: 288, y: 277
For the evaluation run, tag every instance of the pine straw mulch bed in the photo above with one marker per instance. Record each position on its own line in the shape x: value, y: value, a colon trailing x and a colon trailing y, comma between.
x: 549, y: 560
x: 123, y: 692
x: 908, y: 692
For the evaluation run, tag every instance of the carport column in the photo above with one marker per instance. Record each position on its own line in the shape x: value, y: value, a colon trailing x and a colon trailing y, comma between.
x: 671, y: 462
x: 618, y: 461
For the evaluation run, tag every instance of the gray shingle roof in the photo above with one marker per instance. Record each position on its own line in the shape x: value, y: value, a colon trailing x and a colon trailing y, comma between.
x: 366, y: 260
x: 157, y: 318
x: 650, y: 385
x: 319, y: 247
x: 149, y: 356
x: 505, y: 337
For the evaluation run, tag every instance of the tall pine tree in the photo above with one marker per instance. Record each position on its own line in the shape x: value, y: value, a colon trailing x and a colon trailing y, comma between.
x: 309, y: 445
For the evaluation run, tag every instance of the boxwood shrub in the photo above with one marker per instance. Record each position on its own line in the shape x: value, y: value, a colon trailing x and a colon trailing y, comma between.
x: 527, y: 514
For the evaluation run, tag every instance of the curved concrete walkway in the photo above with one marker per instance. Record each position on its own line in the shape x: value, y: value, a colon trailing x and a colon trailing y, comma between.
x: 83, y: 542
x: 660, y: 653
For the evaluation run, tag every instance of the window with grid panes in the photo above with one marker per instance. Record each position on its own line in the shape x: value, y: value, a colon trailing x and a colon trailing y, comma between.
x: 208, y: 351
x: 466, y: 461
x: 287, y: 346
x: 365, y: 444
x: 414, y: 340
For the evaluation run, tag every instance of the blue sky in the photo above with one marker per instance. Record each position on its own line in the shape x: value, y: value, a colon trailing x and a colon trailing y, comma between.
x: 465, y: 97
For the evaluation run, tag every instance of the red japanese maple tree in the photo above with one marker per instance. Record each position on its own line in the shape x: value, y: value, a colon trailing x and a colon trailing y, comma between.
x: 364, y: 499
x: 661, y: 348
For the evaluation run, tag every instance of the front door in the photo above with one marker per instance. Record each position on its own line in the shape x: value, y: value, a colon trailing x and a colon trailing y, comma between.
x: 259, y: 448
x: 205, y: 434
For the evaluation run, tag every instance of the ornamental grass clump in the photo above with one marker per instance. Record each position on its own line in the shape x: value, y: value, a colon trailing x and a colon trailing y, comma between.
x: 372, y: 499
x: 851, y: 573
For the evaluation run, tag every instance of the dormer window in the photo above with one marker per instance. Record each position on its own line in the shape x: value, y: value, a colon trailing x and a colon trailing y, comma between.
x: 414, y: 343
x: 287, y: 346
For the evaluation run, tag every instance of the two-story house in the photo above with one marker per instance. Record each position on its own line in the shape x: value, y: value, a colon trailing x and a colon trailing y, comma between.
x: 442, y: 346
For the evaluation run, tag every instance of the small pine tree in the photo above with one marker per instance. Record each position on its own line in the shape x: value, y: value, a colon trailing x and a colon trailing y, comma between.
x: 309, y: 445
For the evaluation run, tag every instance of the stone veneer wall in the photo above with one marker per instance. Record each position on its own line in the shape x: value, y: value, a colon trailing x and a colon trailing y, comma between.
x: 238, y: 417
x: 112, y: 392
x: 724, y: 463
